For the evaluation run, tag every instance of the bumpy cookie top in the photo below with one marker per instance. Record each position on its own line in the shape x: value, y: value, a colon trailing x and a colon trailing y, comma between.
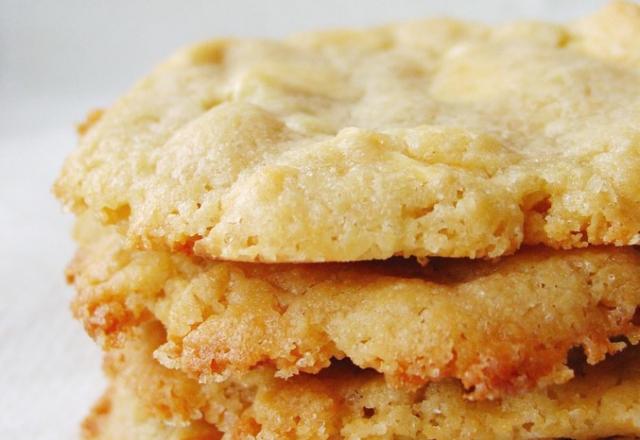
x: 436, y: 137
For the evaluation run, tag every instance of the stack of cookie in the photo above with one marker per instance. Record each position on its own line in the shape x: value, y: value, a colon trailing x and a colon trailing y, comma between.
x: 412, y: 231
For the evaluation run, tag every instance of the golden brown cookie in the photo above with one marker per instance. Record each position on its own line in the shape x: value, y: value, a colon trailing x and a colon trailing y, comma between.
x: 344, y: 402
x: 121, y: 415
x: 433, y: 138
x: 500, y: 327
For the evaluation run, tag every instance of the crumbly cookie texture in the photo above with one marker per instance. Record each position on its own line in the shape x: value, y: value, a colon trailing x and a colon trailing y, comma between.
x: 433, y: 138
x: 500, y: 327
x: 347, y: 403
x: 120, y: 415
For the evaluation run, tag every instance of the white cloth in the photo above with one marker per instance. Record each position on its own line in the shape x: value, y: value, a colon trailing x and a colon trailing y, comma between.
x: 49, y: 369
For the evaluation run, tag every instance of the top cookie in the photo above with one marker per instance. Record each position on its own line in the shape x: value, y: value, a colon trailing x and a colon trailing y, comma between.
x: 436, y: 137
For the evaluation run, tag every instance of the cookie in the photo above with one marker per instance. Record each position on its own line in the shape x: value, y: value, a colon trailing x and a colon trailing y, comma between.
x: 433, y: 138
x: 499, y: 326
x: 120, y: 415
x: 345, y: 402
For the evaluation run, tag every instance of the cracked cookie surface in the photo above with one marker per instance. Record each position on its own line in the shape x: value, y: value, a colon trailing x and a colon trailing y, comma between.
x: 433, y: 138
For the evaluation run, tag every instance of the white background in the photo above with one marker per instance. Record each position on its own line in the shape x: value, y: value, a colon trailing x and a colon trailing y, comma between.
x: 57, y: 60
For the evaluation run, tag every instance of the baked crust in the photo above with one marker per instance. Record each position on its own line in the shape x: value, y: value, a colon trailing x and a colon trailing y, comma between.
x: 344, y: 402
x: 433, y: 138
x: 501, y: 327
